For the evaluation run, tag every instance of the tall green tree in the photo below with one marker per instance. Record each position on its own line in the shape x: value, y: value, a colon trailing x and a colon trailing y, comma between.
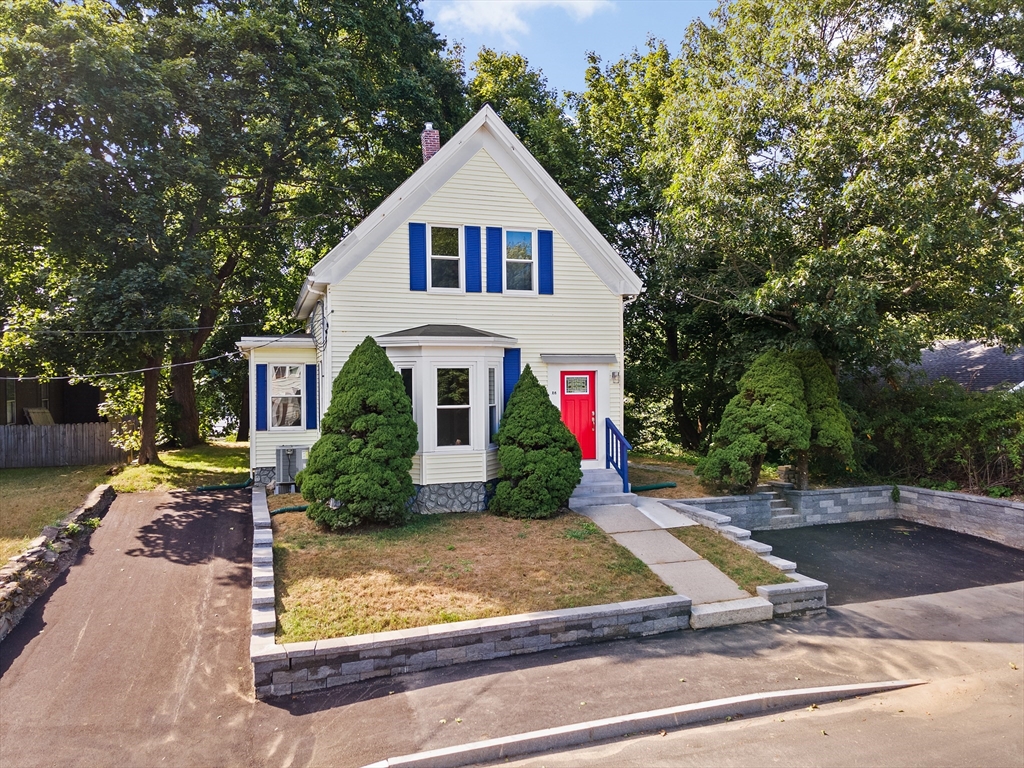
x: 269, y: 129
x: 539, y: 117
x: 850, y: 175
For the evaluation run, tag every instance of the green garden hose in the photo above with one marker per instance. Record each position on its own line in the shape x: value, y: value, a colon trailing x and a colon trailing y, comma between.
x: 228, y: 487
x: 296, y: 508
x: 651, y: 487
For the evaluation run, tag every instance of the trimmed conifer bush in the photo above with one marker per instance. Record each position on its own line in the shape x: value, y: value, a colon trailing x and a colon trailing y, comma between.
x: 769, y: 411
x: 540, y: 458
x: 358, y: 471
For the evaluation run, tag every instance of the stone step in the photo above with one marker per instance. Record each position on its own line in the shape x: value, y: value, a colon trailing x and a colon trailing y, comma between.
x: 777, y: 502
x: 263, y: 595
x: 602, y: 500
x: 786, y: 521
x: 262, y: 576
x: 786, y: 566
x: 778, y: 485
x: 262, y: 556
x: 734, y: 532
x: 782, y: 511
x: 755, y: 546
x: 730, y: 612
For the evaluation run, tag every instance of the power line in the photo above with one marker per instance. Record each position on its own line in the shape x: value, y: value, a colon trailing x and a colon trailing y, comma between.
x: 43, y: 332
x: 141, y: 370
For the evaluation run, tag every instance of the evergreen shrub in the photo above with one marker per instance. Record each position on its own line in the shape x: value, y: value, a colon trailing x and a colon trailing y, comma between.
x: 768, y: 412
x: 540, y: 458
x: 358, y: 471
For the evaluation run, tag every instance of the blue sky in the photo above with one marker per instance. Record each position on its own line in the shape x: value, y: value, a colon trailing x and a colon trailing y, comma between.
x: 555, y: 35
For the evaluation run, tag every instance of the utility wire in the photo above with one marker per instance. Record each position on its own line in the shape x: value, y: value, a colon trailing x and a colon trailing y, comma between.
x: 129, y: 330
x: 141, y: 370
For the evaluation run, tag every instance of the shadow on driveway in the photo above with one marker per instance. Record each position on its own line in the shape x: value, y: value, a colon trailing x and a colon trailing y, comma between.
x: 884, y: 559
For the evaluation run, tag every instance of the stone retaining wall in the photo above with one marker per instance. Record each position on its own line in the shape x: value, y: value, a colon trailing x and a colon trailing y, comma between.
x: 841, y: 505
x: 994, y: 519
x: 296, y: 667
x: 753, y: 511
x: 30, y: 574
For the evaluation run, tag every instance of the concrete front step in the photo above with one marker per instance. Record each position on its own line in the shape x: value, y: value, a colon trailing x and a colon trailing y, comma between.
x: 602, y: 500
x: 599, y: 486
x: 730, y: 612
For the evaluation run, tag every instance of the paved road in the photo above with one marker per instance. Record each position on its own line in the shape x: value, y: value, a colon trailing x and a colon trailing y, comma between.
x: 138, y: 657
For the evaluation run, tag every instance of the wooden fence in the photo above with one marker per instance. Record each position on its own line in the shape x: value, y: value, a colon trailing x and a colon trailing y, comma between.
x: 58, y: 445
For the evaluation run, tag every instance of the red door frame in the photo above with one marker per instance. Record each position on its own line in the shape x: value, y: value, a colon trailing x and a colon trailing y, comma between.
x: 579, y: 412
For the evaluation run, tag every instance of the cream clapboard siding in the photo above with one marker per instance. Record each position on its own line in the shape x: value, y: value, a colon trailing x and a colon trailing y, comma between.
x: 493, y: 466
x: 465, y: 467
x: 417, y: 469
x: 582, y: 317
x: 263, y: 444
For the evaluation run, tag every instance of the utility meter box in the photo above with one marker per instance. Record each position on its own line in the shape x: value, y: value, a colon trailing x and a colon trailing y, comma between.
x: 291, y: 459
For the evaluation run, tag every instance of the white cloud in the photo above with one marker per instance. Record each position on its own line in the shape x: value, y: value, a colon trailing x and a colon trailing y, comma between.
x: 507, y: 17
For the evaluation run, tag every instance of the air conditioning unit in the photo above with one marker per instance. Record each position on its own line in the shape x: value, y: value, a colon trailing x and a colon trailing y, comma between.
x: 291, y: 459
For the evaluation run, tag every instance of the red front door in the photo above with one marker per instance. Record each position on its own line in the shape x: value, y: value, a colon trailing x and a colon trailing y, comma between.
x: 579, y: 409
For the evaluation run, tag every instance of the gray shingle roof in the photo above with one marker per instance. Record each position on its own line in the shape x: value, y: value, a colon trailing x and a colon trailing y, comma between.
x: 973, y: 365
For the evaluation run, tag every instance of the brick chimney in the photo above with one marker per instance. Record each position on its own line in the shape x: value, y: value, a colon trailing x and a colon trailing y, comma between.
x: 431, y: 141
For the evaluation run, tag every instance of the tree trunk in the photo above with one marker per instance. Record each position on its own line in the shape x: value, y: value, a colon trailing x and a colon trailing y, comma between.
x: 755, y: 474
x: 151, y: 391
x: 183, y: 392
x: 686, y: 427
x: 803, y: 461
x: 243, y: 417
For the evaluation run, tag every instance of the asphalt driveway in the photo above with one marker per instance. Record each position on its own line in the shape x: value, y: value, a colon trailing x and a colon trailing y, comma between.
x: 138, y: 656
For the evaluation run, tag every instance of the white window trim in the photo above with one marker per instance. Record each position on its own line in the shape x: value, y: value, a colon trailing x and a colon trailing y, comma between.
x: 270, y: 398
x: 461, y: 258
x: 474, y: 410
x: 505, y: 260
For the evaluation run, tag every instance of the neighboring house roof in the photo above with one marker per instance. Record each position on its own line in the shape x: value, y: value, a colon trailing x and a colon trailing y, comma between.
x: 973, y: 365
x: 290, y: 340
x: 484, y: 131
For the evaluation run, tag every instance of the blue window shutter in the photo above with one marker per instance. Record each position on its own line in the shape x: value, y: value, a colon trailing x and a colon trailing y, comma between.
x: 261, y: 397
x: 494, y: 260
x: 510, y: 372
x: 417, y: 256
x: 473, y: 276
x: 311, y: 396
x: 545, y: 262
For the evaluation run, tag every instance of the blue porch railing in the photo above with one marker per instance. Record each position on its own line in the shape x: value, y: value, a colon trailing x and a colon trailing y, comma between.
x: 616, y: 452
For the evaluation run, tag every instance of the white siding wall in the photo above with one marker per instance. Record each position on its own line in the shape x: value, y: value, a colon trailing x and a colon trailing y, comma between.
x: 582, y: 317
x: 263, y: 444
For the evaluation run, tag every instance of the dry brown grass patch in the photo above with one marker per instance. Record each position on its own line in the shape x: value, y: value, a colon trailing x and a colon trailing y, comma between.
x: 443, y: 568
x: 687, y: 486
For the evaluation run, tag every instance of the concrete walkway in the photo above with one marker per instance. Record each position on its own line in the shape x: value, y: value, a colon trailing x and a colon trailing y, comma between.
x: 139, y: 657
x: 643, y: 532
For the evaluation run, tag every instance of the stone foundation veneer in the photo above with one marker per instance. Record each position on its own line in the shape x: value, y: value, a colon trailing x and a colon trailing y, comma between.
x: 263, y: 475
x: 451, y: 497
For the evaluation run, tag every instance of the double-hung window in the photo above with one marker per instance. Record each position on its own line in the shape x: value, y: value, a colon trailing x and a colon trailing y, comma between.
x: 453, y: 407
x: 445, y: 258
x: 286, y: 396
x: 520, y: 261
x: 492, y: 405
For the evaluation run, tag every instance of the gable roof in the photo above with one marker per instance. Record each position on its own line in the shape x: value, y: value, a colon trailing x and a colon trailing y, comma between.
x: 484, y: 131
x: 973, y: 365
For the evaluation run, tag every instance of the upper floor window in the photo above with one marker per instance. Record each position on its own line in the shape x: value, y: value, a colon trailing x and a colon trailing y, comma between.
x: 286, y: 396
x: 445, y: 261
x: 520, y: 264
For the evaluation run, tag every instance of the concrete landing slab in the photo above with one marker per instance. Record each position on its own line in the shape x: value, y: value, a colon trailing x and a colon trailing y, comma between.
x: 699, y: 580
x: 665, y: 517
x: 656, y: 547
x: 732, y: 612
x: 619, y: 518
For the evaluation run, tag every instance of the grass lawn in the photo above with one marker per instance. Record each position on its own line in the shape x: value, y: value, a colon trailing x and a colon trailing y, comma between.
x: 737, y: 562
x: 218, y: 463
x: 443, y: 568
x: 31, y: 499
